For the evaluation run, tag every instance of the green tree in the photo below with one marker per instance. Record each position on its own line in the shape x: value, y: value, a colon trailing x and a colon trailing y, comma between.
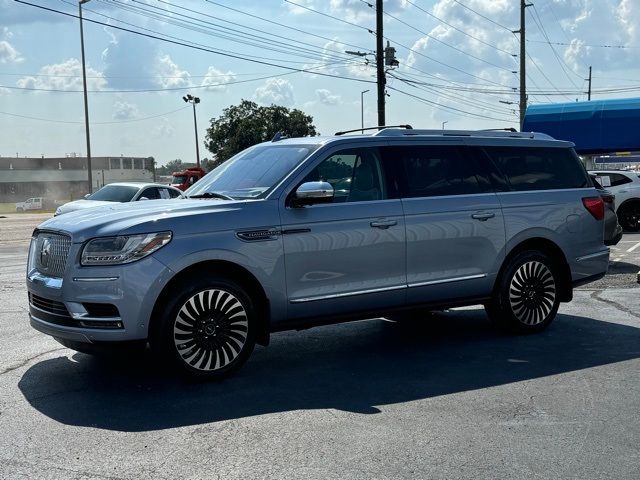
x: 209, y: 164
x: 241, y: 126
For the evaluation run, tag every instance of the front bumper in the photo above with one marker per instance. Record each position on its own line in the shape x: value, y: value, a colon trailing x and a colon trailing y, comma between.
x: 59, y: 306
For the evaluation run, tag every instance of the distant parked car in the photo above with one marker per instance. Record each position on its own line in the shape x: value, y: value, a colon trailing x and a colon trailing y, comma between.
x: 30, y: 204
x: 121, y: 193
x: 625, y: 185
x: 612, y: 229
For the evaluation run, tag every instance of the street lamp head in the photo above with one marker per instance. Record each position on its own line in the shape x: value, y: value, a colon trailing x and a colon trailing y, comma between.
x: 185, y: 99
x: 82, y: 2
x: 364, y: 91
x: 196, y: 99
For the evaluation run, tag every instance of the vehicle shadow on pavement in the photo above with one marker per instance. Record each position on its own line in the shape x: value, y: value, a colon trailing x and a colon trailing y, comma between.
x: 351, y: 367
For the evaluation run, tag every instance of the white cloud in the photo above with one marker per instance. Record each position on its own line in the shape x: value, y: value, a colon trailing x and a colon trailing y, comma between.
x: 8, y: 53
x: 170, y: 75
x: 130, y: 61
x: 64, y: 76
x: 276, y: 91
x: 325, y: 97
x: 164, y: 130
x: 215, y: 79
x: 125, y: 110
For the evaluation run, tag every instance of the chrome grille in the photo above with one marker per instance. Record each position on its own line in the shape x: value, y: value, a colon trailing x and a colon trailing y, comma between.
x: 51, y: 252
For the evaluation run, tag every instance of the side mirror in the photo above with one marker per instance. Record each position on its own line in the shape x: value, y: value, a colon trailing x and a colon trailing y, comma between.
x: 310, y: 193
x: 143, y: 198
x: 86, y: 197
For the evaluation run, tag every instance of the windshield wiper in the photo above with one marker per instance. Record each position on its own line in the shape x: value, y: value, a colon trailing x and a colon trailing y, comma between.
x: 221, y: 196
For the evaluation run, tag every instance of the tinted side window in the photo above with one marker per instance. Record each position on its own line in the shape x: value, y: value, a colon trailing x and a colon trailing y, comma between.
x: 618, y: 179
x: 532, y: 168
x: 173, y: 193
x: 151, y: 193
x: 356, y: 175
x: 438, y: 170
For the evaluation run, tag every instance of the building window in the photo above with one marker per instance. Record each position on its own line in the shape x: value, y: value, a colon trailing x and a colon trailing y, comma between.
x: 114, y: 164
x: 126, y: 163
x: 137, y: 163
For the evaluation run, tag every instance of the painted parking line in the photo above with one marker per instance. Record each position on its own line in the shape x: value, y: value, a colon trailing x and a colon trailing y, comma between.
x: 634, y: 247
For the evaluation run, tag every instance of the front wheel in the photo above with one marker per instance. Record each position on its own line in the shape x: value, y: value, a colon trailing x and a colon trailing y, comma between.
x: 526, y: 297
x: 207, y: 330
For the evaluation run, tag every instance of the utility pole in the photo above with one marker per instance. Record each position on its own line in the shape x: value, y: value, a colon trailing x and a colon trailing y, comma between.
x: 523, y: 61
x: 86, y: 104
x: 589, y: 92
x: 381, y: 76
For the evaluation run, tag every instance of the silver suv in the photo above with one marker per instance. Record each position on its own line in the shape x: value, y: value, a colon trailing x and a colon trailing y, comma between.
x: 306, y: 231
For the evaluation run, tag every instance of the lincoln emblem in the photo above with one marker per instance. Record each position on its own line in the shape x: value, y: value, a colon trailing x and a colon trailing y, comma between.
x: 45, y: 253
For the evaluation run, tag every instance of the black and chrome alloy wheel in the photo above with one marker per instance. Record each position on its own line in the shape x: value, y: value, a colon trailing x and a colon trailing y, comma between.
x: 532, y: 293
x: 210, y: 330
x: 527, y: 293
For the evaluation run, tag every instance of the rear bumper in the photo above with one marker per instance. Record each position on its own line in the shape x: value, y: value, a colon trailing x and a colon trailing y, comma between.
x: 589, y: 268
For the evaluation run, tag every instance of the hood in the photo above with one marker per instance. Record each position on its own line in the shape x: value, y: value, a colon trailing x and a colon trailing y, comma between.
x: 178, y: 216
x: 80, y: 204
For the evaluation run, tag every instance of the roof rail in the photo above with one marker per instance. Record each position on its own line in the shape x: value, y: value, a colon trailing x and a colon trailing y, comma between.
x: 391, y: 132
x: 381, y: 128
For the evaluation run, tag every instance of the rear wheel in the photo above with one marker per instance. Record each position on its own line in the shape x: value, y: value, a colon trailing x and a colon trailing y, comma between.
x: 527, y: 297
x: 207, y: 330
x: 629, y: 216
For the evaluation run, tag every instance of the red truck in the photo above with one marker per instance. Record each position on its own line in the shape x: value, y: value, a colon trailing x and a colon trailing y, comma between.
x: 185, y: 178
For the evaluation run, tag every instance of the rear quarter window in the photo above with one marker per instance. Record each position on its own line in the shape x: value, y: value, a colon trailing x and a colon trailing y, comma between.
x: 539, y: 168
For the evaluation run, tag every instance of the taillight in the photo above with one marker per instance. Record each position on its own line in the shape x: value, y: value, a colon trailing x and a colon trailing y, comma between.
x: 595, y: 206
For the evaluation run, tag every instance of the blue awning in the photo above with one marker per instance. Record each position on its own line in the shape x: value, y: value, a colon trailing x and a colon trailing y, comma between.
x: 598, y: 126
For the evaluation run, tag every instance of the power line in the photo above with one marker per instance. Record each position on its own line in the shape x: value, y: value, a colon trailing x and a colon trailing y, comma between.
x: 166, y: 89
x: 195, y: 47
x: 93, y: 123
x: 483, y: 16
x: 446, y: 107
x: 228, y: 33
x: 282, y: 24
x: 458, y: 29
x: 440, y: 41
x: 536, y: 18
x: 330, y: 16
x: 565, y: 44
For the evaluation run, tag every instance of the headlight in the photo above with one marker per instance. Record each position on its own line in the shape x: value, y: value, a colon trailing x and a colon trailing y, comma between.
x: 122, y: 249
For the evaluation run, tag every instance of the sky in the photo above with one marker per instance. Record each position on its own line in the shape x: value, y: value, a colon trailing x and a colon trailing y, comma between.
x: 458, y: 63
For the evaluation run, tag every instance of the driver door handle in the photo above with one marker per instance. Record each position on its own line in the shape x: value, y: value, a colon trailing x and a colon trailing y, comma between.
x: 384, y: 224
x: 483, y: 217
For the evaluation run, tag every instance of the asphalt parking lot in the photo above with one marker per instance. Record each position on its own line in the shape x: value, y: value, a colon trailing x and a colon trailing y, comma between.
x: 447, y: 398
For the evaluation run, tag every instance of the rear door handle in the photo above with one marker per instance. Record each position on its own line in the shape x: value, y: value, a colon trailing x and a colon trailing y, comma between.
x: 483, y: 217
x: 384, y: 224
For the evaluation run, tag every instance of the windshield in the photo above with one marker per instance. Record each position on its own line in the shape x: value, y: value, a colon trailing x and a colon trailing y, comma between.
x: 115, y: 193
x: 253, y: 171
x: 179, y: 179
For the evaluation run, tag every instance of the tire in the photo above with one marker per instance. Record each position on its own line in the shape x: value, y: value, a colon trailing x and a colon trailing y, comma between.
x: 20, y: 210
x: 526, y: 298
x: 207, y: 330
x: 629, y: 216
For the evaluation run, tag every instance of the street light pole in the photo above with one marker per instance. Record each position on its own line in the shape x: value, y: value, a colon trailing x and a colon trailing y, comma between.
x: 444, y: 123
x: 362, y: 109
x: 193, y: 101
x: 86, y: 103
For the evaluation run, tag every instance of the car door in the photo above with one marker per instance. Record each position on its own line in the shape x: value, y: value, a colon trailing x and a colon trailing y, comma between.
x: 454, y: 222
x: 347, y: 255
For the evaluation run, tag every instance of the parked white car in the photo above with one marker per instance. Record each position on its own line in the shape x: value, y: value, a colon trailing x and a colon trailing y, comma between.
x: 625, y: 185
x: 30, y: 204
x: 121, y: 193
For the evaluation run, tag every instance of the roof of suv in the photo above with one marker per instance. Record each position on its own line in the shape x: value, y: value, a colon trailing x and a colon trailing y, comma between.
x: 492, y: 136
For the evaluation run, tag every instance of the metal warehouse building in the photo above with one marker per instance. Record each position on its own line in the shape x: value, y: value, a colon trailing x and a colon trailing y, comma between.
x: 65, y: 178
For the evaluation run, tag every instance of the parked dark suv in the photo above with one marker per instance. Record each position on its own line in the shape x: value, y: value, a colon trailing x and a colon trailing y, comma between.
x: 307, y: 231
